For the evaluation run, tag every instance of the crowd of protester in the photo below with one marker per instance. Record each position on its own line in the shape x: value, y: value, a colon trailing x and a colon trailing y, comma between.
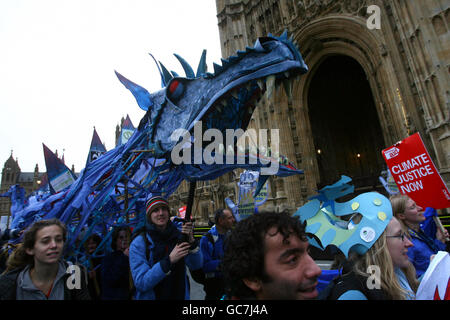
x: 265, y: 256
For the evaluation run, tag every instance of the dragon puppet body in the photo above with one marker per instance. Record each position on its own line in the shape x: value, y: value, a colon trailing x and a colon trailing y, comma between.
x: 113, y: 188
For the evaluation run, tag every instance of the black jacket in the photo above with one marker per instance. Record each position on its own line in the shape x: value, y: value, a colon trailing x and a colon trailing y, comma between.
x: 350, y: 281
x: 115, y: 276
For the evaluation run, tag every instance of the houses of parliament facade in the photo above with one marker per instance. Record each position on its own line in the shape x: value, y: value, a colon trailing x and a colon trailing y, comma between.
x: 366, y: 89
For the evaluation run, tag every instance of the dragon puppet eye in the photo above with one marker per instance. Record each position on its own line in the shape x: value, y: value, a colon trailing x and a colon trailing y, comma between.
x: 175, y: 88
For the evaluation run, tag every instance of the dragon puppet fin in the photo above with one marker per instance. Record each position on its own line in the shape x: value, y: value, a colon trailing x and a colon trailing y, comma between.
x: 166, y: 74
x: 186, y: 67
x: 201, y: 69
x: 163, y: 83
x: 141, y: 94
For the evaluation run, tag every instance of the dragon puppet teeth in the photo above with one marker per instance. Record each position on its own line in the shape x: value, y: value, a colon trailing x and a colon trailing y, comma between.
x: 234, y: 93
x: 260, y: 84
x: 287, y: 84
x: 270, y: 84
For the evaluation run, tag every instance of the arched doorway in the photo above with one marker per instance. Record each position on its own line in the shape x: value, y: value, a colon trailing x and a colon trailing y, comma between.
x: 346, y: 130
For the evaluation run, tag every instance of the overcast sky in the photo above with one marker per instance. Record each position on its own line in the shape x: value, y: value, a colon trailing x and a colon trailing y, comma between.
x: 57, y: 62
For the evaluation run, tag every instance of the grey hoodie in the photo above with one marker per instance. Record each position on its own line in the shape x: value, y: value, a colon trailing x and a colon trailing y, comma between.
x: 27, y: 291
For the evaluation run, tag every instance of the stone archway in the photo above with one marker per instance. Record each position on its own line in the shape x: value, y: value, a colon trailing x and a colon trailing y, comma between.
x: 346, y: 36
x: 344, y: 123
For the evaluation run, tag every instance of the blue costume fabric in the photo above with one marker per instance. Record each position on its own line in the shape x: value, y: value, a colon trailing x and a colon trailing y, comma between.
x: 353, y: 295
x: 424, y: 247
x: 156, y: 278
x: 326, y: 277
x: 212, y: 247
x: 212, y: 253
x: 429, y: 226
x: 403, y: 281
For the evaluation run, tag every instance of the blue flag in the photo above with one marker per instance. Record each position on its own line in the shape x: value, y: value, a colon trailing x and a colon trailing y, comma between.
x: 97, y: 148
x: 59, y: 176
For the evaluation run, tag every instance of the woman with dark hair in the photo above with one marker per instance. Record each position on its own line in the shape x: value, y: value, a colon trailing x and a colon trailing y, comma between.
x: 160, y: 254
x: 36, y: 271
x: 115, y: 275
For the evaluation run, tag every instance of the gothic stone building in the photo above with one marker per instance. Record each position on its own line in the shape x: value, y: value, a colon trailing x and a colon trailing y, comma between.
x: 11, y: 175
x: 366, y: 89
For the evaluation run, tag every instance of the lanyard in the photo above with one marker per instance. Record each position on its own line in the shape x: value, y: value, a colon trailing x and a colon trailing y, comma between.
x: 422, y: 236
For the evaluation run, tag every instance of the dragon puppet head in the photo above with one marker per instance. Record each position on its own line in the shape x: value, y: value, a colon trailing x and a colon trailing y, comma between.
x: 221, y: 101
x: 369, y: 213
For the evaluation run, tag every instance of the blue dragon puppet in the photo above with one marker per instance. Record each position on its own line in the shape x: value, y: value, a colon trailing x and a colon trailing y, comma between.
x: 111, y: 190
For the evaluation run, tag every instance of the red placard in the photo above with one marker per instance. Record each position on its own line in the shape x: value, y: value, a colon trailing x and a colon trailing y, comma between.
x: 415, y: 174
x: 182, y: 212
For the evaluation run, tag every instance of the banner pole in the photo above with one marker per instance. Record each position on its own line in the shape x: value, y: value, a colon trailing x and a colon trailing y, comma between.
x: 439, y: 225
